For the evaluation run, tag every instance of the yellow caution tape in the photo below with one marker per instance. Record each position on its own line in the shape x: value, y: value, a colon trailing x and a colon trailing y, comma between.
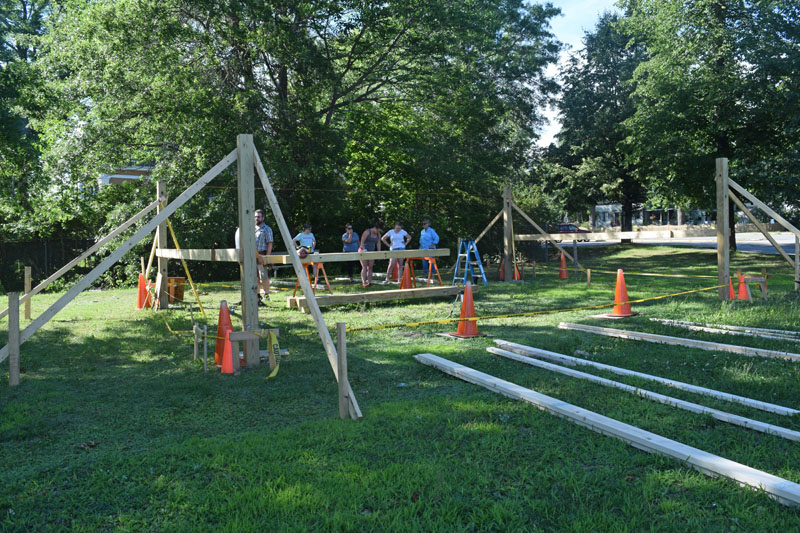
x: 275, y: 349
x: 516, y: 315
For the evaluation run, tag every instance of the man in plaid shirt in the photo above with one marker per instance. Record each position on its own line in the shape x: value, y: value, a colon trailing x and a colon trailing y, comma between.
x: 264, y: 247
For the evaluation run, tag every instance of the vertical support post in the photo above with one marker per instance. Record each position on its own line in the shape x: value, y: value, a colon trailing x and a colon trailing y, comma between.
x: 588, y: 277
x: 13, y: 339
x: 196, y: 331
x: 796, y: 263
x: 575, y: 253
x: 141, y: 259
x: 723, y: 231
x: 341, y: 364
x: 27, y: 290
x: 205, y: 348
x: 161, y: 286
x: 245, y: 180
x: 508, y: 236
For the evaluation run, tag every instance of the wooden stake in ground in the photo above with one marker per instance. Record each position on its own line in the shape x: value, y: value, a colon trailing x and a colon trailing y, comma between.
x: 13, y: 339
x: 341, y: 362
x: 723, y: 231
x: 783, y: 490
x: 27, y: 290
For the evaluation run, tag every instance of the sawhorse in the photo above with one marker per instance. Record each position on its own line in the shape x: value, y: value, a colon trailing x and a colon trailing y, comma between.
x: 316, y: 277
x: 431, y: 265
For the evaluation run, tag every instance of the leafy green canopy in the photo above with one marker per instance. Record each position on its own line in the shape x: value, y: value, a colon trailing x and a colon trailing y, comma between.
x: 591, y: 162
x: 722, y: 80
x: 359, y: 108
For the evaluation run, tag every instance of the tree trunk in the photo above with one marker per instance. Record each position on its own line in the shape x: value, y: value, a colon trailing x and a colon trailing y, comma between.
x: 681, y: 216
x: 592, y: 217
x: 627, y: 218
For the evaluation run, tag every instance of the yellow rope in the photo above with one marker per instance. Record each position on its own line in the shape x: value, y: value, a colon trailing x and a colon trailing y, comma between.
x: 185, y: 266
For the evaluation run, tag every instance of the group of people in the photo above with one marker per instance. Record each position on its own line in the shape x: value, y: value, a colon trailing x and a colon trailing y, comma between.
x: 395, y: 239
x: 371, y: 240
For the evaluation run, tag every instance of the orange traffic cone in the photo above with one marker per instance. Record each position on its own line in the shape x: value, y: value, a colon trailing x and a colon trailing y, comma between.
x: 731, y: 293
x: 143, y: 296
x: 223, y: 324
x: 620, y: 296
x: 406, y: 282
x: 742, y: 295
x: 227, y: 356
x: 467, y: 328
x: 562, y: 272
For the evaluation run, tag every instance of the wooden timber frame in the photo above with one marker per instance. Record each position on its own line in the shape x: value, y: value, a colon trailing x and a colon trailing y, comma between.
x: 782, y: 490
x: 507, y: 214
x: 247, y: 157
x: 729, y: 190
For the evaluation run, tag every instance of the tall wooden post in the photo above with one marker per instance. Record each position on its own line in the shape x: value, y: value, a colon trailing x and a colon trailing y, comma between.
x: 13, y: 339
x: 245, y: 180
x: 161, y: 281
x: 341, y: 365
x: 27, y: 290
x: 723, y: 231
x: 508, y: 236
x: 796, y: 263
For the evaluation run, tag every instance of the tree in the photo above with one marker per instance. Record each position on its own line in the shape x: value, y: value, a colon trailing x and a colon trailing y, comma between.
x: 20, y: 21
x: 721, y: 81
x: 340, y: 95
x: 591, y: 160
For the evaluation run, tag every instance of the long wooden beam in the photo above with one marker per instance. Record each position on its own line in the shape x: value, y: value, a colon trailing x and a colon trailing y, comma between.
x: 229, y: 255
x: 96, y: 246
x: 124, y: 248
x: 763, y: 229
x: 726, y: 330
x: 613, y: 235
x: 794, y: 335
x: 783, y: 490
x: 692, y: 407
x: 530, y: 351
x: 379, y: 296
x: 764, y: 207
x: 680, y: 341
x: 305, y: 285
x: 543, y: 233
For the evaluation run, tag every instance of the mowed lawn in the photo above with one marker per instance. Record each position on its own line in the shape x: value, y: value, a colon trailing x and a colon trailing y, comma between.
x: 114, y: 426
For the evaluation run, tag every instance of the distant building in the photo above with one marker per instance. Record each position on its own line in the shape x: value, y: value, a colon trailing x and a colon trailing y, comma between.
x: 125, y: 175
x: 610, y: 215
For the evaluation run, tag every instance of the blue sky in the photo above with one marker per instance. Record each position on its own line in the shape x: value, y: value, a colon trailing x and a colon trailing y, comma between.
x: 577, y: 16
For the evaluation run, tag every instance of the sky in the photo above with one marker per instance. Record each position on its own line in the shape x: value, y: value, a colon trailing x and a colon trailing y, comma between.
x: 577, y: 17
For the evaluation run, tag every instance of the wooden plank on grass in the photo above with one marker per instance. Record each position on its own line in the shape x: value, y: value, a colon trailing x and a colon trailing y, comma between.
x: 783, y: 490
x: 655, y: 396
x: 378, y: 296
x: 680, y: 341
x: 123, y: 249
x: 708, y: 328
x: 569, y: 360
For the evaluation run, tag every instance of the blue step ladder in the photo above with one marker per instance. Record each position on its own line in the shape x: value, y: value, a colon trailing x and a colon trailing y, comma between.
x: 468, y: 259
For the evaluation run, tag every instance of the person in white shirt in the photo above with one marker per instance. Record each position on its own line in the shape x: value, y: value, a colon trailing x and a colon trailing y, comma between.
x: 395, y: 239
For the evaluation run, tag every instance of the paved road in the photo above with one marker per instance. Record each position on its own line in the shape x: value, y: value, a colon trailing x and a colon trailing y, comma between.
x: 746, y: 242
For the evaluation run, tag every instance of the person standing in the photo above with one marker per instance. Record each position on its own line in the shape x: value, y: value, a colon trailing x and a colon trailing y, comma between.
x: 428, y: 239
x: 395, y: 239
x: 264, y: 239
x: 306, y: 240
x: 349, y: 244
x: 370, y: 242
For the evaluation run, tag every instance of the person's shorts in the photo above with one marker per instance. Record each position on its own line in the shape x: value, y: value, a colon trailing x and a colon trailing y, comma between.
x: 263, y: 275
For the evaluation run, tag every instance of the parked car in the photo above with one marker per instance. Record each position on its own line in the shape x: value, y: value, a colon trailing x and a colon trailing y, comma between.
x: 568, y: 228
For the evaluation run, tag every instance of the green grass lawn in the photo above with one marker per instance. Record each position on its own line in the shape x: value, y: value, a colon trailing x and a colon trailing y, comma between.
x: 114, y: 426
